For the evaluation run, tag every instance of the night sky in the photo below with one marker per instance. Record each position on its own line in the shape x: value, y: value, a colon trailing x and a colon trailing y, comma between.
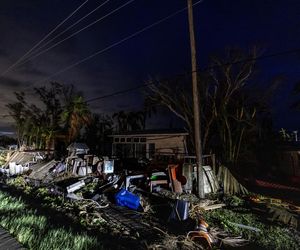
x: 163, y: 51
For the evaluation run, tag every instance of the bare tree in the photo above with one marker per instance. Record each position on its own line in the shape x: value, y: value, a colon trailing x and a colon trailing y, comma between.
x: 227, y: 113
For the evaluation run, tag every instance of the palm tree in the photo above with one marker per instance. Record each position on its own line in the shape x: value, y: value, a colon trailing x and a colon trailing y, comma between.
x: 136, y: 120
x: 75, y: 116
x: 17, y: 112
x: 96, y: 133
x: 149, y: 109
x: 130, y: 121
x: 122, y: 121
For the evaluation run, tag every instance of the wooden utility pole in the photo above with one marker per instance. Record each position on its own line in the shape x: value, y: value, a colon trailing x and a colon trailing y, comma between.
x: 196, y: 103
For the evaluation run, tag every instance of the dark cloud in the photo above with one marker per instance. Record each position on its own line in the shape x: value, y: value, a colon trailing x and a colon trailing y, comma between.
x: 99, y: 92
x: 11, y: 83
x: 29, y: 69
x: 163, y: 50
x: 6, y: 129
x: 123, y: 106
x: 3, y: 53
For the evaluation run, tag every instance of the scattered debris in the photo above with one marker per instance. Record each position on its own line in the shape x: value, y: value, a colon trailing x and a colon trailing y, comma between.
x: 215, y: 206
x: 127, y: 199
x: 148, y: 201
x: 180, y: 210
x: 174, y: 178
x: 201, y: 235
x: 245, y: 227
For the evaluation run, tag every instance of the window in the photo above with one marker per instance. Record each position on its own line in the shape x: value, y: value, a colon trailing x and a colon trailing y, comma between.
x: 151, y: 150
x: 123, y: 139
x: 124, y: 150
x: 142, y: 139
x: 117, y: 139
x: 128, y: 139
x: 136, y: 139
x: 140, y: 150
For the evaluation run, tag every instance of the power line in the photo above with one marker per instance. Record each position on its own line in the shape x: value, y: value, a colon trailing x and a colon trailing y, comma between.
x: 119, y: 92
x: 75, y: 33
x: 117, y: 43
x: 251, y: 59
x: 155, y: 82
x: 183, y: 74
x: 70, y: 27
x: 43, y: 39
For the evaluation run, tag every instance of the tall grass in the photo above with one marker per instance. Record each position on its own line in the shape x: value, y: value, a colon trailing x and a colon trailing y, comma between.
x: 34, y: 231
x: 270, y: 236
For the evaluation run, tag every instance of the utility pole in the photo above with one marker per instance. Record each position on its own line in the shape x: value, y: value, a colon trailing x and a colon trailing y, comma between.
x: 196, y: 103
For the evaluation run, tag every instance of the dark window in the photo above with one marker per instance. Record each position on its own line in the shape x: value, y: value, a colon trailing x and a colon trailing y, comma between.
x: 140, y: 150
x: 151, y: 150
x: 128, y: 139
x: 127, y: 151
x: 122, y: 139
x: 117, y: 139
x: 136, y: 140
x: 124, y: 150
x: 118, y: 150
x: 142, y: 139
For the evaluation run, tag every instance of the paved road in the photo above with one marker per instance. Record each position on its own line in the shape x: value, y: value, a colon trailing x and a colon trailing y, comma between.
x: 7, y: 242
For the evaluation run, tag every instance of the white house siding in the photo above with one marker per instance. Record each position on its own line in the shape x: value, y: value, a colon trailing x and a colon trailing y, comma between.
x: 168, y: 144
x: 164, y: 144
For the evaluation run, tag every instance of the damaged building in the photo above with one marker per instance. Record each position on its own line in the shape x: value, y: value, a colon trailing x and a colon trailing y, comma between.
x: 150, y: 144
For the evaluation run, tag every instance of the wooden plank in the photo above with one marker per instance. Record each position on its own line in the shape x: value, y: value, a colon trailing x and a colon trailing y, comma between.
x: 215, y: 206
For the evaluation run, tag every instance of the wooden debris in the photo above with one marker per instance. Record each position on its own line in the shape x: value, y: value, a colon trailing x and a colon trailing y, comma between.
x: 215, y: 206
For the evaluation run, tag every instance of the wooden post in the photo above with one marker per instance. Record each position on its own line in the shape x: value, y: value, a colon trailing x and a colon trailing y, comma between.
x: 196, y: 103
x: 213, y: 160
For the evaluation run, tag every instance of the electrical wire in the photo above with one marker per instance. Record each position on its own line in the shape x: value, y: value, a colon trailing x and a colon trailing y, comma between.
x: 70, y: 27
x: 155, y: 82
x: 43, y: 39
x: 199, y: 71
x: 183, y: 74
x: 77, y: 32
x: 118, y: 42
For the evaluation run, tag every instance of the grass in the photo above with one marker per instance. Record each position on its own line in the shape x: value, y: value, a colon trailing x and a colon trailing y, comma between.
x: 35, y: 232
x: 63, y: 224
x: 270, y: 236
x: 2, y: 158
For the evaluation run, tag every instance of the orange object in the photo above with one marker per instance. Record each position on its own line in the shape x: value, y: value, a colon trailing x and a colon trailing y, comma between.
x: 172, y: 171
x: 201, y: 235
x: 176, y: 185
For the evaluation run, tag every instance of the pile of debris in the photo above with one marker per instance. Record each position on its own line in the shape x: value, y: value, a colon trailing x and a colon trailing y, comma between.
x: 20, y: 162
x: 148, y: 202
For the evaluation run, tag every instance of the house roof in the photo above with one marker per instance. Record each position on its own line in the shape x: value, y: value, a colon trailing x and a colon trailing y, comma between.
x: 77, y: 145
x: 152, y: 132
